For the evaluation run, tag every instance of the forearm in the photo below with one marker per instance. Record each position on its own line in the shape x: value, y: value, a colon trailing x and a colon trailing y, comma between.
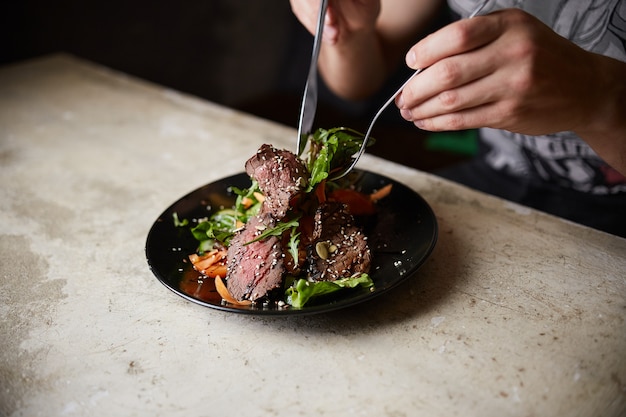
x: 605, y: 131
x: 356, y: 66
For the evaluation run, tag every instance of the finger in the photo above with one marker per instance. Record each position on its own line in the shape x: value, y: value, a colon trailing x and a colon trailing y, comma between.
x: 307, y: 12
x: 459, y: 37
x: 495, y: 109
x: 476, y: 93
x: 484, y: 102
x: 472, y: 118
x: 446, y: 75
x: 496, y: 115
x: 330, y: 32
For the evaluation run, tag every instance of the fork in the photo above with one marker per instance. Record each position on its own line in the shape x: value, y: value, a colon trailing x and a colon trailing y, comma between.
x: 345, y: 171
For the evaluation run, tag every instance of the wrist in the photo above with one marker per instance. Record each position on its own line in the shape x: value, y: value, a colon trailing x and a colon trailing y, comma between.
x: 605, y: 130
x: 608, y: 111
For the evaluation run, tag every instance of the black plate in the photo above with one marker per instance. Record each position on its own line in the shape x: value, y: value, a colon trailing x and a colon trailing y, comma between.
x: 401, y: 236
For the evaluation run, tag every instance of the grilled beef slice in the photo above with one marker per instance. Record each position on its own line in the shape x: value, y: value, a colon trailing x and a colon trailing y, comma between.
x: 256, y: 268
x: 280, y: 174
x: 340, y: 249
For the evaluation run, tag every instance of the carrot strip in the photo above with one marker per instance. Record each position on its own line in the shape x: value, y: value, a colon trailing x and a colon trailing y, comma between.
x: 382, y: 193
x: 210, y: 264
x: 218, y: 269
x: 246, y: 202
x: 260, y: 197
x: 225, y: 294
x: 202, y: 262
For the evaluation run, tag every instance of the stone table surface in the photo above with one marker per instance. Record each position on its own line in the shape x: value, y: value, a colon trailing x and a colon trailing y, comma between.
x: 515, y: 313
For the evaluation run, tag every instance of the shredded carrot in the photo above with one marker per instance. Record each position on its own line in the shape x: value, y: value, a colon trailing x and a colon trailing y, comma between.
x: 215, y: 270
x: 210, y: 263
x: 260, y: 197
x: 225, y: 294
x: 213, y: 265
x: 247, y: 202
x: 382, y: 193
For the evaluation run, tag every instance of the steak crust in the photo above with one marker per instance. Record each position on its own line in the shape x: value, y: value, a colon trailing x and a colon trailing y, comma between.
x: 281, y: 175
x: 340, y: 249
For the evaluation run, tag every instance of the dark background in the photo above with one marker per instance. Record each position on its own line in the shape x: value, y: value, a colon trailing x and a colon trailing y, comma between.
x: 250, y: 55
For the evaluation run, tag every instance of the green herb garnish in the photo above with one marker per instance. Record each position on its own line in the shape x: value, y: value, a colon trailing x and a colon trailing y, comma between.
x: 276, y: 230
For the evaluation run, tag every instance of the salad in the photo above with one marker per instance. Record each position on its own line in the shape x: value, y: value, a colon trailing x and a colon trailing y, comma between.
x: 293, y: 236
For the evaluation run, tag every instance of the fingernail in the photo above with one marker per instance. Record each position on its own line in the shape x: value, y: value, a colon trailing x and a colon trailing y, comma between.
x: 419, y: 123
x: 410, y: 58
x: 328, y: 19
x: 330, y: 34
x: 399, y: 101
x: 406, y: 115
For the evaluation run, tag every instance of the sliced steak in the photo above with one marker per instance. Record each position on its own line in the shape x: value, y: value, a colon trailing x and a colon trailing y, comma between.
x: 340, y: 249
x: 280, y: 174
x: 257, y: 268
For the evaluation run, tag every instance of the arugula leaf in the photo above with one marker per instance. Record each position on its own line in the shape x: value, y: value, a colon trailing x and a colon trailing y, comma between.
x: 302, y: 291
x: 320, y: 166
x: 330, y: 150
x: 276, y: 230
x: 294, y: 244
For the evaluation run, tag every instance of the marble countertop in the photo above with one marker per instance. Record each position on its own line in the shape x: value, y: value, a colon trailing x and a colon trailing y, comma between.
x: 516, y: 313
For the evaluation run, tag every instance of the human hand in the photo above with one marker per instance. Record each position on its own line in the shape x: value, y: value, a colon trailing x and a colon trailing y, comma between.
x: 342, y: 17
x: 505, y: 70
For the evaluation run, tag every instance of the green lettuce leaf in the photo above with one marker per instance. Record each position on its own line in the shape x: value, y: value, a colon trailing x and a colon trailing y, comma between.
x: 217, y: 229
x: 302, y: 291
